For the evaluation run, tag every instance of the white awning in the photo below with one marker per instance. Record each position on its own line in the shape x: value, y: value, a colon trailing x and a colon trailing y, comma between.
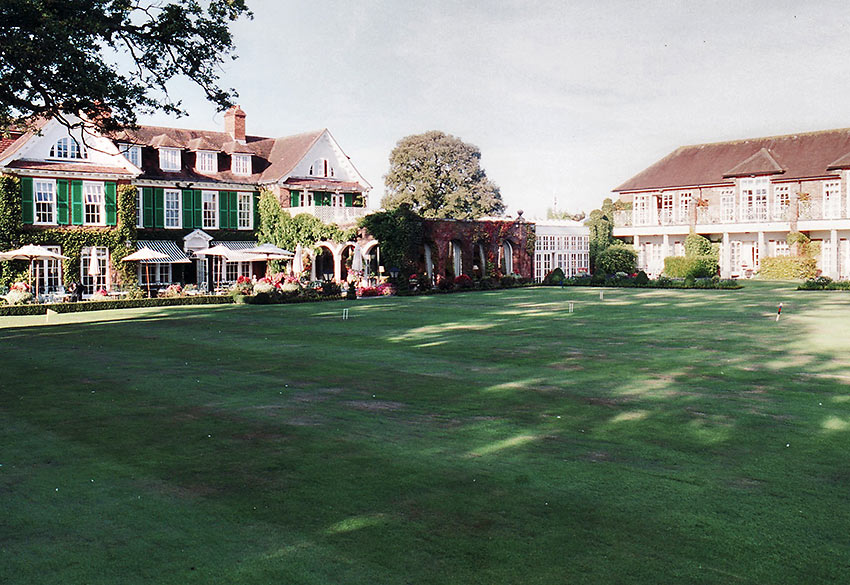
x: 167, y: 247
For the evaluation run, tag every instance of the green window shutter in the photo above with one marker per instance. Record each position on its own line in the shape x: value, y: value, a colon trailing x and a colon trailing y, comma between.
x: 223, y: 215
x: 255, y: 201
x: 187, y: 209
x: 111, y: 204
x: 234, y: 215
x: 77, y: 202
x: 197, y: 208
x: 349, y: 199
x: 147, y: 204
x: 294, y: 198
x: 159, y: 207
x: 27, y: 206
x: 62, y: 201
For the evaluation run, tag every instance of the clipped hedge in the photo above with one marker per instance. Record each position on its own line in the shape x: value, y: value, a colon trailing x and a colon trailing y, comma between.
x: 788, y: 267
x: 702, y: 266
x: 824, y: 283
x: 625, y: 281
x: 84, y: 306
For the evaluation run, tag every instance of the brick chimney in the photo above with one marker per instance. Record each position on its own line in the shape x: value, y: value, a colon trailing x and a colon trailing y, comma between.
x: 234, y: 123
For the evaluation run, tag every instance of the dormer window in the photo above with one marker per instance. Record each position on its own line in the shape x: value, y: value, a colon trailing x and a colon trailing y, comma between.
x: 241, y: 164
x: 321, y: 168
x: 67, y: 147
x: 206, y: 162
x: 132, y: 152
x: 169, y: 159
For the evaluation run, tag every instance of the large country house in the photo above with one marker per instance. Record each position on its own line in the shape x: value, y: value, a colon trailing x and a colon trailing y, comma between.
x: 196, y: 189
x: 747, y: 195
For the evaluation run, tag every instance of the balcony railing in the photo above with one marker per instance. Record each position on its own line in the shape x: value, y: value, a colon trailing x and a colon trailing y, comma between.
x: 328, y: 214
x: 715, y: 214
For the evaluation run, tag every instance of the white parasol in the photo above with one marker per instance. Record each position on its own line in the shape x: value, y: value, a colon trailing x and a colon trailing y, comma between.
x: 269, y: 252
x: 224, y: 253
x: 298, y: 262
x: 32, y: 253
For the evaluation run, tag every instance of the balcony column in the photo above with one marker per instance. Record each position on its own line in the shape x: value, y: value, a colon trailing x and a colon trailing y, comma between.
x: 305, y: 198
x: 338, y: 264
x: 725, y: 257
x: 637, y: 249
x: 834, y: 254
x: 313, y: 266
x: 665, y: 249
x: 761, y: 247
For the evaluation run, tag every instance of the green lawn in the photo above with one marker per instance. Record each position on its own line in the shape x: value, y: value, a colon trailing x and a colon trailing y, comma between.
x: 651, y: 437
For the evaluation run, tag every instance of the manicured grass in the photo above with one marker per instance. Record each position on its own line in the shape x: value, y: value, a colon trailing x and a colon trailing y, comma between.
x: 651, y: 437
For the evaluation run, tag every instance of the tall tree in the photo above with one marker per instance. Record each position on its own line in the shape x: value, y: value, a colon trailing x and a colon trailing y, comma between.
x: 62, y: 57
x: 601, y: 224
x: 440, y: 176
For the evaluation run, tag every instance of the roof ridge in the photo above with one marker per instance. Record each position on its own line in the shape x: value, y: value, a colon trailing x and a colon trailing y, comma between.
x: 774, y: 137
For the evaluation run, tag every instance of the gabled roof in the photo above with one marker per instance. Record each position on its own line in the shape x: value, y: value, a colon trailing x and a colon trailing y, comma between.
x: 810, y: 154
x: 287, y: 153
x: 761, y: 163
x: 10, y: 145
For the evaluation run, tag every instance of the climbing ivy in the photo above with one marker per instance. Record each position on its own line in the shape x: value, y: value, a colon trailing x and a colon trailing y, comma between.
x: 285, y: 231
x: 400, y: 232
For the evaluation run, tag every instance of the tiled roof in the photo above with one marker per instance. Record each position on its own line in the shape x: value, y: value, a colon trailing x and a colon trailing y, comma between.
x: 761, y: 163
x: 175, y: 254
x: 38, y: 165
x: 811, y: 154
x: 17, y: 143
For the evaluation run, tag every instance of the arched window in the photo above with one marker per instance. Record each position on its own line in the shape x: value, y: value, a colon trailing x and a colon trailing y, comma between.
x: 67, y: 147
x: 429, y: 263
x: 457, y: 258
x: 507, y: 257
x: 321, y: 168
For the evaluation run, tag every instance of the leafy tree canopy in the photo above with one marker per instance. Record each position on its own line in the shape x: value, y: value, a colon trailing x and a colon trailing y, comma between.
x: 552, y: 213
x: 400, y: 232
x: 439, y: 176
x: 60, y: 57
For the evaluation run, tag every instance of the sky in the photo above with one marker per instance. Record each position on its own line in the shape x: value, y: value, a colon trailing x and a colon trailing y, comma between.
x: 565, y: 100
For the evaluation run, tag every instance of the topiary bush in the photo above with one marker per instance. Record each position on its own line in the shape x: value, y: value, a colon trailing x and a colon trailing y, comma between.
x: 704, y: 266
x: 788, y: 268
x: 616, y: 258
x: 555, y: 277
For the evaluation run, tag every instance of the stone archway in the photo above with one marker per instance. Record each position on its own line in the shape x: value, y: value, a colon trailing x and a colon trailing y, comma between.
x: 323, y: 262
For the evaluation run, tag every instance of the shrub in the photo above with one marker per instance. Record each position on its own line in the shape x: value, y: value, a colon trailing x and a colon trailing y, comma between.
x: 704, y: 266
x: 788, y: 267
x: 463, y: 282
x: 697, y: 245
x: 555, y: 277
x: 487, y: 284
x: 443, y: 283
x: 641, y: 279
x: 18, y: 297
x: 263, y: 286
x: 330, y: 288
x: 616, y: 258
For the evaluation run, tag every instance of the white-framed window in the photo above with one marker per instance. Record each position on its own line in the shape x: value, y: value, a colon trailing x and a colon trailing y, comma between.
x: 67, y: 147
x: 241, y: 164
x: 321, y: 168
x: 206, y: 161
x: 232, y: 271
x: 93, y: 203
x: 684, y: 207
x: 832, y: 200
x: 665, y: 213
x: 159, y: 273
x: 781, y: 201
x: 172, y: 208
x: 169, y: 159
x: 139, y: 211
x: 780, y: 248
x: 754, y: 199
x: 245, y: 212
x: 209, y: 209
x: 132, y: 152
x: 306, y: 198
x: 735, y: 255
x: 642, y: 210
x: 44, y: 194
x: 48, y: 273
x: 100, y: 279
x: 202, y: 272
x: 727, y: 205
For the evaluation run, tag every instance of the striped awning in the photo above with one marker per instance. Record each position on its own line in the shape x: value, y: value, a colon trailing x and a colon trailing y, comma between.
x: 174, y: 253
x: 234, y: 245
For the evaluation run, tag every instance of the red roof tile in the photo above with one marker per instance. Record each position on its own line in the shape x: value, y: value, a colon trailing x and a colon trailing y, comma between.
x: 38, y: 165
x: 761, y: 163
x: 811, y: 154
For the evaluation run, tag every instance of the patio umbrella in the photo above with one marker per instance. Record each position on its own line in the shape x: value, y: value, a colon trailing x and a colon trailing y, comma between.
x: 145, y: 253
x: 223, y: 252
x: 32, y: 253
x: 298, y: 262
x: 357, y: 260
x: 269, y: 252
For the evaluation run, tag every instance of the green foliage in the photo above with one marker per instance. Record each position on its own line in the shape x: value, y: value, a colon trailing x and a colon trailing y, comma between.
x: 824, y: 283
x: 616, y: 258
x: 556, y: 277
x: 285, y: 231
x: 439, y: 176
x: 802, y: 246
x: 641, y: 279
x: 552, y: 213
x: 601, y: 226
x: 624, y: 281
x: 697, y: 266
x: 787, y: 268
x: 697, y: 245
x: 57, y: 58
x: 400, y: 232
x: 112, y: 304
